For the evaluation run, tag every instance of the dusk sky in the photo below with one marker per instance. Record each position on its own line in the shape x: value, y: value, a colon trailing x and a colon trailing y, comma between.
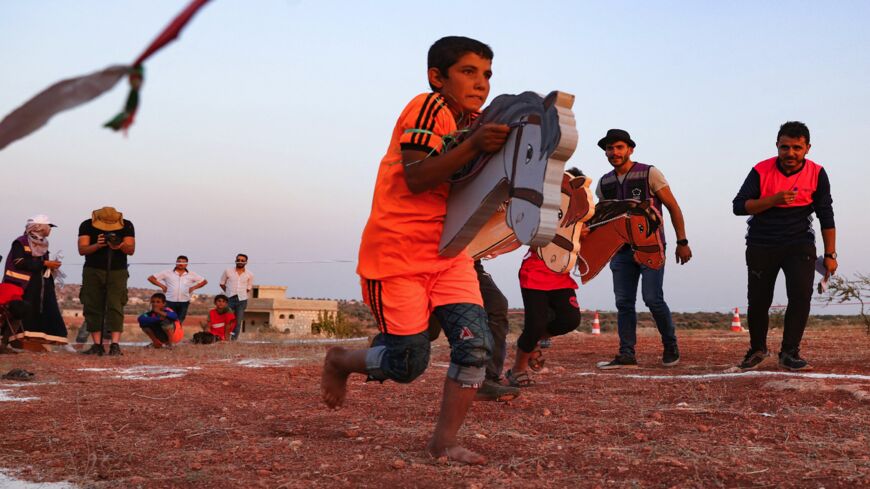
x: 260, y: 130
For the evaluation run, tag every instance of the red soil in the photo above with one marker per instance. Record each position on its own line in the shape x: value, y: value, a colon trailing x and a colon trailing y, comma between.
x: 225, y: 425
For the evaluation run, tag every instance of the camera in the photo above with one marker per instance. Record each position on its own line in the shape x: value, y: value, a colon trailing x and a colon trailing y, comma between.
x: 113, y: 239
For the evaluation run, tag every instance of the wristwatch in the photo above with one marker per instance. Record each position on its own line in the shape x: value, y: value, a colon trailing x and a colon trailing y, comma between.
x: 682, y: 242
x: 832, y: 256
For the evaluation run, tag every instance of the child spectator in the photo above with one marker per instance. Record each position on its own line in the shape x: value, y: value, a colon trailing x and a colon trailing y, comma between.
x: 161, y: 323
x: 221, y: 319
x: 403, y: 278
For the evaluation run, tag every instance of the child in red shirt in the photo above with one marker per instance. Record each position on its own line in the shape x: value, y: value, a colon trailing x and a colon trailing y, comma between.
x: 221, y: 319
x: 546, y: 294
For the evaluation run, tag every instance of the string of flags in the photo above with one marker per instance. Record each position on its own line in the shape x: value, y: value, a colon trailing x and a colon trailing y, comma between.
x: 72, y: 92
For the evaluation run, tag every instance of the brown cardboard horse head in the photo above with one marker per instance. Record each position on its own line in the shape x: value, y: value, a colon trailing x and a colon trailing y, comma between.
x: 527, y: 172
x: 618, y: 223
x: 560, y: 255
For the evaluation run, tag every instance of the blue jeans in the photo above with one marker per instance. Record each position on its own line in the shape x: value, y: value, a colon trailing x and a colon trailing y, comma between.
x: 180, y: 308
x: 626, y: 273
x: 238, y: 308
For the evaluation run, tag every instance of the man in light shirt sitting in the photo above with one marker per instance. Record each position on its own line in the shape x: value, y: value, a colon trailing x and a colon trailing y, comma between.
x: 178, y: 284
x: 237, y: 283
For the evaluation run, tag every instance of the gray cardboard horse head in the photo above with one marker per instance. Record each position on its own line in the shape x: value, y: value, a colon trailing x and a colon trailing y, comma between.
x: 527, y: 172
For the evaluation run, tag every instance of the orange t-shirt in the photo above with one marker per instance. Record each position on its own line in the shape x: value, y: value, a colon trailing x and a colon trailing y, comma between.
x: 402, y: 234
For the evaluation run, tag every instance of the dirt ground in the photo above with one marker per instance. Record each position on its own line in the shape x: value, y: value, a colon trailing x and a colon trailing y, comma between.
x: 249, y: 415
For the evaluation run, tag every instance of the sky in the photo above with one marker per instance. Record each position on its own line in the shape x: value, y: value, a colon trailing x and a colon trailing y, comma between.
x: 260, y: 130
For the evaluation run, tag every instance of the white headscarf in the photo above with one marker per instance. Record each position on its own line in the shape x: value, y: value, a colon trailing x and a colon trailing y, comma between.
x: 37, y: 238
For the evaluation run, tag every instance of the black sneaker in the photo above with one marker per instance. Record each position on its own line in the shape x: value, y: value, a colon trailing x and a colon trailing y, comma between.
x: 792, y: 361
x: 753, y: 359
x: 95, y: 349
x: 115, y: 350
x: 491, y: 390
x: 621, y: 361
x: 671, y: 356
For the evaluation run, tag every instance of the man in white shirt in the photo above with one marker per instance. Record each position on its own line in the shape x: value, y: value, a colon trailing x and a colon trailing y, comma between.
x: 237, y: 283
x: 178, y: 284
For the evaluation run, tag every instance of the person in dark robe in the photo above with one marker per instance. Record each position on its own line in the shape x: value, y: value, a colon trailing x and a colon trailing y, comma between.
x: 29, y: 266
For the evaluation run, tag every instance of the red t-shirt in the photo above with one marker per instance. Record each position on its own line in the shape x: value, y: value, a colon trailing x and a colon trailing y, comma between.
x: 221, y: 324
x: 535, y: 275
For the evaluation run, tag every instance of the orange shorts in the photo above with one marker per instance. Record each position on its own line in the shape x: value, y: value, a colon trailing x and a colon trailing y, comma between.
x: 176, y: 336
x: 402, y: 305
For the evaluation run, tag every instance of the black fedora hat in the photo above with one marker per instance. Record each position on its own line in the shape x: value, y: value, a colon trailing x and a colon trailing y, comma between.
x: 615, y: 135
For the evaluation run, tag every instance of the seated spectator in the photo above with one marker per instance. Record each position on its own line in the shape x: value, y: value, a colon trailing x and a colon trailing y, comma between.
x: 161, y: 323
x: 221, y: 320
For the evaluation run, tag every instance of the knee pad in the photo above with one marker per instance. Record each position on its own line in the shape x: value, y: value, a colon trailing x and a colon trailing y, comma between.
x: 470, y: 341
x: 398, y: 358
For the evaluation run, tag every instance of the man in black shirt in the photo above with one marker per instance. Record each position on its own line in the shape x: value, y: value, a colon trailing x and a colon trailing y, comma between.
x: 780, y: 195
x: 105, y: 241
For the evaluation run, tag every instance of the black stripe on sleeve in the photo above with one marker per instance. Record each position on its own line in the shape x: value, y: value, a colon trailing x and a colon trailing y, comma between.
x: 431, y: 127
x: 416, y: 138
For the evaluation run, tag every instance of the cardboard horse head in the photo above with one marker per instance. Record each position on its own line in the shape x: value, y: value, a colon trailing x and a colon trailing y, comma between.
x: 618, y: 223
x: 560, y: 255
x: 527, y: 171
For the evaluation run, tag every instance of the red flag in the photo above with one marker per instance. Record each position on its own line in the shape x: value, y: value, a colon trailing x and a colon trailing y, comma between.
x: 125, y: 118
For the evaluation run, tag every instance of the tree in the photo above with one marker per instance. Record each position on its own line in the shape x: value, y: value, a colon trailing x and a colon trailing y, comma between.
x: 841, y: 289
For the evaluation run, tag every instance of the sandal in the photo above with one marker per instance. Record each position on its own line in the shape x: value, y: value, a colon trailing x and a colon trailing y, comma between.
x: 536, y: 360
x: 520, y: 379
x: 18, y: 374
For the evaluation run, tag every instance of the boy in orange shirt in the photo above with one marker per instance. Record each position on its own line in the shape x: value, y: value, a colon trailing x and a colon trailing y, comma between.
x: 403, y: 278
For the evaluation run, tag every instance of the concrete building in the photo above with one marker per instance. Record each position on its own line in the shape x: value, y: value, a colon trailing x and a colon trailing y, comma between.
x: 269, y: 307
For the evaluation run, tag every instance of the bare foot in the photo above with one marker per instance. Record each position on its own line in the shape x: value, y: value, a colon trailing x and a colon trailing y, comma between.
x: 333, y: 382
x: 456, y: 453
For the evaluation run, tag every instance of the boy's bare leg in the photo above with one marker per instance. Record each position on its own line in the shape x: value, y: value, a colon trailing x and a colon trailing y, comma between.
x: 454, y: 407
x: 337, y: 366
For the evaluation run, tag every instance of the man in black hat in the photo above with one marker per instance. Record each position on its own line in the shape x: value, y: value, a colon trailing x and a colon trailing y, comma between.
x: 631, y: 180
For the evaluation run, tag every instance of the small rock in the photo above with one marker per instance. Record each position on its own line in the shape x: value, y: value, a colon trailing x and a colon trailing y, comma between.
x: 351, y: 434
x: 222, y: 419
x: 196, y: 466
x: 656, y: 415
x: 398, y: 464
x: 264, y: 473
x: 360, y: 456
x: 703, y: 428
x: 480, y: 436
x: 546, y: 412
x: 295, y: 444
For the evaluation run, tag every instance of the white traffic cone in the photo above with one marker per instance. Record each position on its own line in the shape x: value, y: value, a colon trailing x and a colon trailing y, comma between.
x: 736, y: 327
x: 596, y: 325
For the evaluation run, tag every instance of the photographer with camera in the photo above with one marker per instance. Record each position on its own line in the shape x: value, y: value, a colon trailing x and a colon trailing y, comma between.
x: 105, y: 241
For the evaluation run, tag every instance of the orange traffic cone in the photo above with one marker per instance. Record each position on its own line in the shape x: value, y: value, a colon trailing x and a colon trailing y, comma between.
x: 596, y: 325
x: 736, y: 327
